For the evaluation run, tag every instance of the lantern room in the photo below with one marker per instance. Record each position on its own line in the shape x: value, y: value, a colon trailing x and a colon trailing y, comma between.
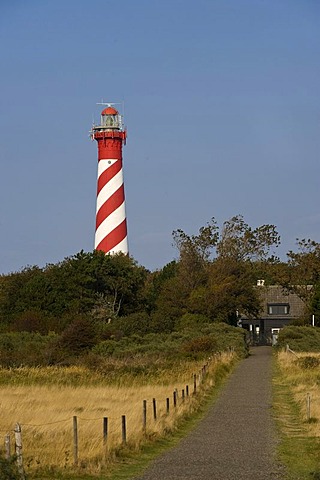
x: 111, y: 119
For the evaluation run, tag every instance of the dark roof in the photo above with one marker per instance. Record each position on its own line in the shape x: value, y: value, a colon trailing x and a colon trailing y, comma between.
x: 275, y: 294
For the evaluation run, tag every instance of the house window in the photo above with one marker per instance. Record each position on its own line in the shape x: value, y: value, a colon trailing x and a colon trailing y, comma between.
x: 278, y: 309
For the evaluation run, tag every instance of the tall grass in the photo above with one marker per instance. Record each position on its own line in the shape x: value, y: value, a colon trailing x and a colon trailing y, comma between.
x: 296, y: 375
x: 302, y: 373
x: 44, y: 401
x: 118, y: 372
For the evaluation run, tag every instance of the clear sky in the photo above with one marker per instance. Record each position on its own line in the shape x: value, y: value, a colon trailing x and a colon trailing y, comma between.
x: 222, y: 107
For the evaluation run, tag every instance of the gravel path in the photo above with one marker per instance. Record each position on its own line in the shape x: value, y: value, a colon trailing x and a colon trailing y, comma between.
x: 236, y: 439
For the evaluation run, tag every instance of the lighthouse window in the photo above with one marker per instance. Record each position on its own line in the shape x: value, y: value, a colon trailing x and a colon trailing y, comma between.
x: 109, y: 121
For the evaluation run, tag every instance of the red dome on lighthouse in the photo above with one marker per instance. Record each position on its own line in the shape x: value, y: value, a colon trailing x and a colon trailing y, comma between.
x: 109, y: 111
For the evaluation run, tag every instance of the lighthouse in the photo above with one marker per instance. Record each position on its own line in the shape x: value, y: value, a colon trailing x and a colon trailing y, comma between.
x: 111, y: 223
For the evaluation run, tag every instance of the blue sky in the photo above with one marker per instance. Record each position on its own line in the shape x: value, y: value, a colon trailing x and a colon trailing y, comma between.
x: 222, y: 107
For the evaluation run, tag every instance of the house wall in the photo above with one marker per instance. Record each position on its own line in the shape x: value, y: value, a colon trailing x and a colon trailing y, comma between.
x: 260, y: 329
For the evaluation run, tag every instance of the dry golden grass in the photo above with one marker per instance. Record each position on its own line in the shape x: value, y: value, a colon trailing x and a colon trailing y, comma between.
x: 303, y: 382
x: 45, y: 413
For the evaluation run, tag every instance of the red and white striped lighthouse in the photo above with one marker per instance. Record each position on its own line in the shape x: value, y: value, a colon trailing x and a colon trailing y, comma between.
x: 111, y: 224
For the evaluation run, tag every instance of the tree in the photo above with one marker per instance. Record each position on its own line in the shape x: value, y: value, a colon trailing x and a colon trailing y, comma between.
x: 220, y: 286
x: 315, y: 304
x: 200, y: 245
x: 229, y: 292
x: 303, y: 275
x: 122, y: 283
x: 76, y: 286
x: 305, y: 264
x: 243, y: 243
x: 155, y: 282
x: 194, y: 253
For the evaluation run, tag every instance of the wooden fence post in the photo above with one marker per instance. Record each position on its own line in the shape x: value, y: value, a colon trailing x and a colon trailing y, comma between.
x: 144, y: 416
x: 124, y: 429
x: 187, y: 390
x: 154, y: 408
x: 183, y: 394
x: 75, y: 441
x: 308, y: 407
x: 174, y: 398
x: 7, y: 446
x: 105, y: 429
x: 195, y: 383
x: 168, y: 405
x: 18, y: 443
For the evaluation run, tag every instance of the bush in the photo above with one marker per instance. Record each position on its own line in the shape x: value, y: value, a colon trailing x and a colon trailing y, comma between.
x: 191, y: 320
x: 208, y: 338
x: 200, y: 345
x: 8, y: 469
x: 79, y: 336
x: 308, y: 362
x: 300, y: 339
x: 105, y: 348
x: 133, y: 324
x: 24, y: 348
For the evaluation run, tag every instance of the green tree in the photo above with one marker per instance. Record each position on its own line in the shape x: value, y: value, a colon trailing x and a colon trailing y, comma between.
x: 155, y: 282
x: 83, y: 283
x: 243, y: 243
x: 194, y: 253
x: 221, y: 286
x: 231, y: 291
x: 303, y: 275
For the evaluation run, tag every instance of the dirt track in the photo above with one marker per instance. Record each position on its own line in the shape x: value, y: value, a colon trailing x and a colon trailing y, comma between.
x: 236, y: 440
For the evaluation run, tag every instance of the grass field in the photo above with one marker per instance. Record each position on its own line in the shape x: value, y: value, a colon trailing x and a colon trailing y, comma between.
x: 45, y: 401
x: 297, y: 410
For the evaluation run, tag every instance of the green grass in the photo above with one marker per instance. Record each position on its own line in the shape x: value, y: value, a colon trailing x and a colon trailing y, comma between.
x: 297, y: 452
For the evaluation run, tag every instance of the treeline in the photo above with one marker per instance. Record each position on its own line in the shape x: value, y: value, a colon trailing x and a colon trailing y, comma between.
x: 92, y: 302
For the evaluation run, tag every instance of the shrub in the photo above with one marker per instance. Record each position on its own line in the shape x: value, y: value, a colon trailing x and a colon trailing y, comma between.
x: 203, y: 344
x: 206, y: 339
x: 161, y: 322
x: 79, y: 336
x: 33, y: 321
x: 133, y: 324
x: 8, y: 468
x: 105, y: 348
x: 308, y: 362
x: 191, y: 321
x: 300, y: 339
x: 24, y: 348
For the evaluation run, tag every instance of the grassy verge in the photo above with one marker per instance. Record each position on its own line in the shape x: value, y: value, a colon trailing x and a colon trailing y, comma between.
x: 298, y: 450
x: 129, y: 462
x: 136, y: 464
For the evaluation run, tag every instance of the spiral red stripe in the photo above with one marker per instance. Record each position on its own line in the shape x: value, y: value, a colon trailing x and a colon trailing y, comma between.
x: 108, y: 174
x: 112, y: 240
x: 111, y: 225
x: 113, y: 202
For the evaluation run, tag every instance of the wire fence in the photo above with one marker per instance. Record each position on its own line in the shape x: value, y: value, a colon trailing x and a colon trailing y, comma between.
x: 154, y: 411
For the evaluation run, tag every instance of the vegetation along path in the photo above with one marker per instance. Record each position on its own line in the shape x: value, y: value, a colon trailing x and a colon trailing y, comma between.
x: 236, y: 440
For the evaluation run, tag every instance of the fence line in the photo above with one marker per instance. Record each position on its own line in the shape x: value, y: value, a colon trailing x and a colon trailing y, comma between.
x: 45, y: 424
x: 176, y: 400
x: 288, y: 349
